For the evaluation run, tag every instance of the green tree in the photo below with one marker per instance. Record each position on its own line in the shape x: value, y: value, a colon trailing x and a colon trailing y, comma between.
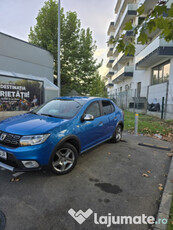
x: 160, y: 18
x: 77, y: 47
x: 97, y: 87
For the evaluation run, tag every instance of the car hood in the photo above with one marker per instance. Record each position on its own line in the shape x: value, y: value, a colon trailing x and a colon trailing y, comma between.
x: 30, y: 124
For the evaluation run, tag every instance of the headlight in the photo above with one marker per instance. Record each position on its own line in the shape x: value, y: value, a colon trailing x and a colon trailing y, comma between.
x: 33, y: 140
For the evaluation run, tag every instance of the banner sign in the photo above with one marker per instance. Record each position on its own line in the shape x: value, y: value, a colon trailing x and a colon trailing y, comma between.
x: 19, y: 94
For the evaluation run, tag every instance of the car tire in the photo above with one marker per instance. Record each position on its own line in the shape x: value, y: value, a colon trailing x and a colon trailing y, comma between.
x: 63, y: 159
x: 117, y: 134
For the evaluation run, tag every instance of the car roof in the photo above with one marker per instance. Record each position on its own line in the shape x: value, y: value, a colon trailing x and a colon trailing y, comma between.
x: 83, y: 98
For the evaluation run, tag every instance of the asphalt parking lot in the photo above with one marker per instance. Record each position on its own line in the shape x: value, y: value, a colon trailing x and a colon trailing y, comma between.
x: 107, y: 179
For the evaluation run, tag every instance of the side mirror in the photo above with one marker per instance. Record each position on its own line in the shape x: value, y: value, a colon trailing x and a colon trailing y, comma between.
x: 88, y: 117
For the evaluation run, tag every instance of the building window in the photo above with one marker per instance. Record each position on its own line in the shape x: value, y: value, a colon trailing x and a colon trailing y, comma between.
x: 121, y: 89
x: 160, y: 73
x: 138, y: 89
x: 126, y: 87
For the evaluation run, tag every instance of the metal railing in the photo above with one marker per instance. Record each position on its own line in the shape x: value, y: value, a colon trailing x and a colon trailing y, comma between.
x: 156, y: 100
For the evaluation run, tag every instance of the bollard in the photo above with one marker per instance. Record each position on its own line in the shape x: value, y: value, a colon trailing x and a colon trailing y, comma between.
x: 136, y: 124
x: 163, y: 105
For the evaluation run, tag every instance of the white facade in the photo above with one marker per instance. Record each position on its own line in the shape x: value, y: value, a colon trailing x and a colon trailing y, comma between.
x: 146, y: 77
x: 21, y: 57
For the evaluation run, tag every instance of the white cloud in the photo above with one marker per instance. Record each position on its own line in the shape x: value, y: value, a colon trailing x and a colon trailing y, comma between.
x: 101, y: 54
x: 103, y: 70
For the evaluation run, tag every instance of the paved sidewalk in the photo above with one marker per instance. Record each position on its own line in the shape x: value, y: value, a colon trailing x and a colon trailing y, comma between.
x: 107, y: 179
x: 7, y: 114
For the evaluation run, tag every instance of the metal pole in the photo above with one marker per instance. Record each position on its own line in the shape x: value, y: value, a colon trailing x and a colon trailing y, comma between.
x: 136, y: 124
x: 146, y: 109
x: 59, y: 48
x: 134, y: 107
x: 163, y: 105
x: 166, y: 100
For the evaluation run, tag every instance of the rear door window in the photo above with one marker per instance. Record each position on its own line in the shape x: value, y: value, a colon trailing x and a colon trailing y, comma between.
x: 107, y: 107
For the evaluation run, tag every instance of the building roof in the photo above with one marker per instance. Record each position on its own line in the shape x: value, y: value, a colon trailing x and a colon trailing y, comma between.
x: 23, y: 41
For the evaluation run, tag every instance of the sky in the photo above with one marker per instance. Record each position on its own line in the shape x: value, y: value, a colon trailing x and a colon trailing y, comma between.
x: 17, y: 16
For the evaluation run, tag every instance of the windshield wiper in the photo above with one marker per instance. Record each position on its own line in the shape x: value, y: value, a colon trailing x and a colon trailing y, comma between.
x: 49, y: 115
x: 33, y: 112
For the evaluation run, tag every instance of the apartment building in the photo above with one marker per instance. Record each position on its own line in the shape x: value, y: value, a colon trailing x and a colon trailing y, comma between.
x: 143, y: 81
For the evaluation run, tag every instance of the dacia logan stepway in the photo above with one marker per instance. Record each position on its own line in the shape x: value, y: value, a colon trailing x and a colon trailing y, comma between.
x: 56, y: 133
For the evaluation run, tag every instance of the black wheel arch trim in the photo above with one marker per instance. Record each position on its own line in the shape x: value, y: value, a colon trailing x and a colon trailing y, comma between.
x: 69, y: 139
x: 120, y: 123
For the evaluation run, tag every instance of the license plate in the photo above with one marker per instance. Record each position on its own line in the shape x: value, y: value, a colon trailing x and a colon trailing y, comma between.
x: 3, y: 154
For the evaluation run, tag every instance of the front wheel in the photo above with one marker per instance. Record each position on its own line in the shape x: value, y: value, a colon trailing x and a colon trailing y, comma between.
x: 117, y: 134
x: 63, y: 159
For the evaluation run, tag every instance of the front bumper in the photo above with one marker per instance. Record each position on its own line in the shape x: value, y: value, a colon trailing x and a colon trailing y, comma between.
x: 14, y: 165
x: 39, y: 153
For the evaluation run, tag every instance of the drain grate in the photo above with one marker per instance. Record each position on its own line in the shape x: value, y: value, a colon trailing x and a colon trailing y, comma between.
x: 2, y: 221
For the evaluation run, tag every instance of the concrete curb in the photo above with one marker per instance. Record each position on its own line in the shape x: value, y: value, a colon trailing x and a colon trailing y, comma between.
x: 2, y: 221
x: 166, y: 201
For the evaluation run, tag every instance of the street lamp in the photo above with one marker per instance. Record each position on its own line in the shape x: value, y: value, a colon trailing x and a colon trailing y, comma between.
x: 59, y: 48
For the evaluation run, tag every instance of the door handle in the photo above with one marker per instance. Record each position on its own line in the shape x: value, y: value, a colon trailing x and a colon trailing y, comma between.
x: 100, y: 123
x: 115, y: 118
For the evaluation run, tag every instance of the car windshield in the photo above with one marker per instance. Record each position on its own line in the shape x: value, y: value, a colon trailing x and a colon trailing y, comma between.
x: 65, y: 109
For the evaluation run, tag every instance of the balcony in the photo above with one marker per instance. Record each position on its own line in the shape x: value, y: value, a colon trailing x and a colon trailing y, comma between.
x: 110, y: 62
x: 110, y: 52
x: 148, y: 5
x: 110, y: 73
x: 117, y: 6
x: 158, y: 50
x: 122, y: 74
x: 129, y: 13
x: 111, y: 28
x: 121, y: 59
x: 108, y: 84
x: 115, y: 51
x: 121, y: 9
x: 129, y: 33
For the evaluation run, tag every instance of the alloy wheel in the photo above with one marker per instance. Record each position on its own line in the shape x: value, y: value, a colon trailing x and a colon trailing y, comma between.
x: 118, y: 133
x: 63, y: 160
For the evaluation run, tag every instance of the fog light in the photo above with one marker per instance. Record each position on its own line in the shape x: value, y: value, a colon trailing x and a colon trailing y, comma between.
x: 30, y: 164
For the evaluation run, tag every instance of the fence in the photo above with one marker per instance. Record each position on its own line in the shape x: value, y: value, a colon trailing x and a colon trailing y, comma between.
x: 156, y: 100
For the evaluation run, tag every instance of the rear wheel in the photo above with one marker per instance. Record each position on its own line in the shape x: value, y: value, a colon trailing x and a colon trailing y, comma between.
x: 117, y: 135
x: 63, y: 159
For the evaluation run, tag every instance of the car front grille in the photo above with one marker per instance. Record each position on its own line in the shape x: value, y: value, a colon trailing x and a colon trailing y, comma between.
x: 8, y: 139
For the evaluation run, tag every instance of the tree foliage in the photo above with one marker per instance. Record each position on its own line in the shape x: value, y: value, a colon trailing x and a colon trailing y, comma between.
x: 159, y: 19
x: 77, y: 46
x: 97, y: 87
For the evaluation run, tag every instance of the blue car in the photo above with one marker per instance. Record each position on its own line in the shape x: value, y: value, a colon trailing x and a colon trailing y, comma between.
x: 56, y: 133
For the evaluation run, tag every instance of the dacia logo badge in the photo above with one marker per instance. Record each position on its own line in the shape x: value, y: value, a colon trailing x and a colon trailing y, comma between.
x: 3, y: 136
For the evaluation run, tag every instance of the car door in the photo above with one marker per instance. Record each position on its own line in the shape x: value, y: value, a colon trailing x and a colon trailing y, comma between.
x: 109, y: 115
x: 92, y: 132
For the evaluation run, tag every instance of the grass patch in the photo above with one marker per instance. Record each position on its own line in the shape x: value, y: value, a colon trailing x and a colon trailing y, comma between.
x: 148, y: 125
